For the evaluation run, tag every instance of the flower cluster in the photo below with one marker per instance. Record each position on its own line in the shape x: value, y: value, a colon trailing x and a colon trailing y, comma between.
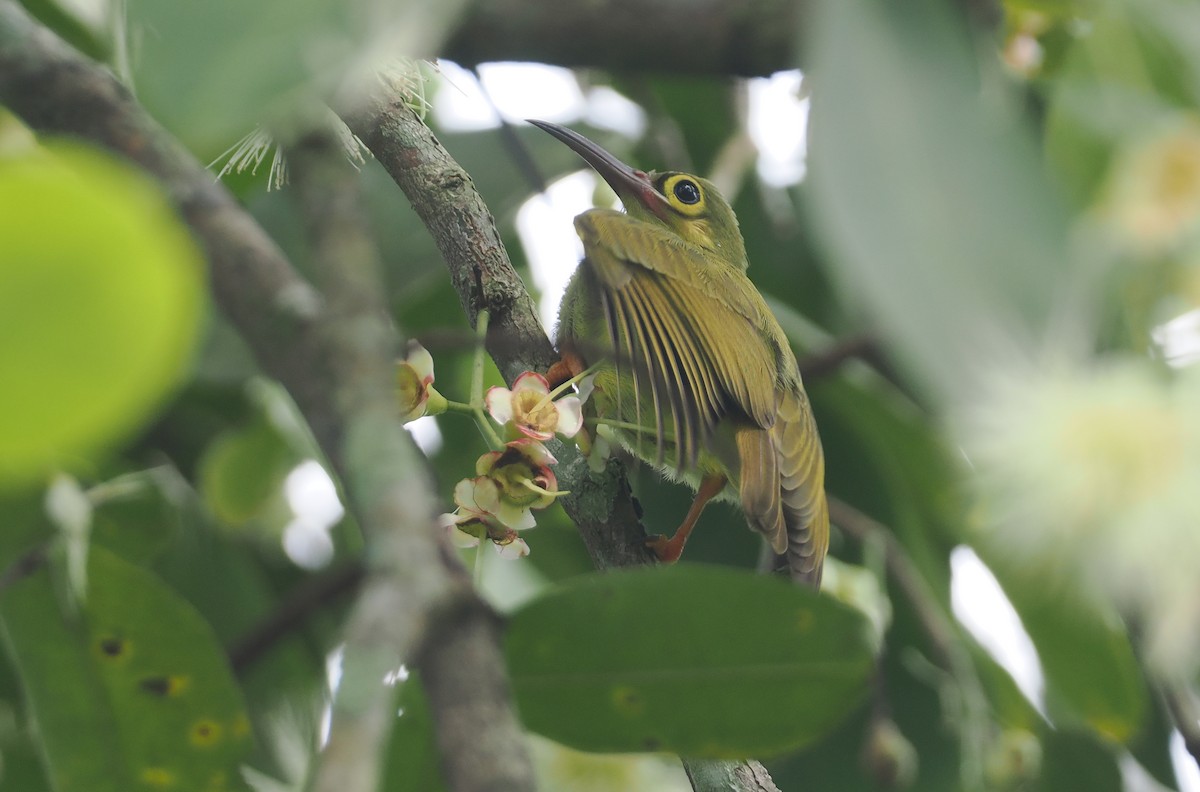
x: 499, y: 501
x: 509, y: 483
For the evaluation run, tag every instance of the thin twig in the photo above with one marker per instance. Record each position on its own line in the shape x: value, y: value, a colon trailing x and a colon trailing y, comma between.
x: 293, y: 611
x: 830, y: 360
x: 951, y: 655
x: 720, y: 37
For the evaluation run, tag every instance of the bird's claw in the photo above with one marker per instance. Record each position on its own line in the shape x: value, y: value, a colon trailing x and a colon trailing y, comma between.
x: 666, y: 550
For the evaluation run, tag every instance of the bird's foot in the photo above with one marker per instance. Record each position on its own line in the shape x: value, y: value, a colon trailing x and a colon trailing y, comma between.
x: 667, y: 550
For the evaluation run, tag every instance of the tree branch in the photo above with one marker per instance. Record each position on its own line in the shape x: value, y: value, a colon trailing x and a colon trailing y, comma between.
x: 297, y: 606
x: 952, y: 656
x: 443, y: 196
x: 445, y: 199
x: 741, y: 38
x: 732, y: 37
x: 335, y: 358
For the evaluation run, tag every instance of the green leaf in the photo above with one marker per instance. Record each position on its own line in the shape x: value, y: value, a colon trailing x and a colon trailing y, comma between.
x: 938, y: 213
x: 100, y: 299
x: 1121, y: 79
x: 1073, y: 762
x: 695, y: 660
x: 214, y: 70
x: 133, y: 693
x: 1092, y: 676
x: 134, y: 515
x: 241, y: 474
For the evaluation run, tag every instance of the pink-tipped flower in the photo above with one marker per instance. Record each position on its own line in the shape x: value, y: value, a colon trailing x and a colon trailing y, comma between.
x: 529, y: 408
x: 467, y: 529
x: 513, y: 482
x: 414, y: 385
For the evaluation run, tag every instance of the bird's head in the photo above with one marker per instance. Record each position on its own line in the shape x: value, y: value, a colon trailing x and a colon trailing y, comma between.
x: 688, y: 205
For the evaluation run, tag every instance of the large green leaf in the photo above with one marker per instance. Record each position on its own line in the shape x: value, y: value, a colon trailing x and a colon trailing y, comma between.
x: 214, y: 70
x: 1092, y: 676
x: 100, y: 298
x: 935, y: 207
x: 696, y: 660
x: 241, y: 474
x: 132, y: 692
x: 1121, y: 79
x: 1074, y: 762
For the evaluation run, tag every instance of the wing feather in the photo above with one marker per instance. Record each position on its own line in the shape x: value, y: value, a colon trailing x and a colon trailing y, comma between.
x: 672, y: 316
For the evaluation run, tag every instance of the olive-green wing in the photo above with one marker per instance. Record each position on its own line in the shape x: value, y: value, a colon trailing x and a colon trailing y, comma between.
x: 801, y: 469
x: 683, y: 323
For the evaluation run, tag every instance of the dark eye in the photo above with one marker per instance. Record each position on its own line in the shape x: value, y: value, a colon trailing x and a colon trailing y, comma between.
x: 687, y: 192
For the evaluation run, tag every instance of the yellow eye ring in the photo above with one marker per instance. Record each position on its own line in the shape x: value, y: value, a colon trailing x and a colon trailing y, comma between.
x: 684, y: 194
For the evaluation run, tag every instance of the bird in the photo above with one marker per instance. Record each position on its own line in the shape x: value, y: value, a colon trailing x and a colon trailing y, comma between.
x: 692, y: 370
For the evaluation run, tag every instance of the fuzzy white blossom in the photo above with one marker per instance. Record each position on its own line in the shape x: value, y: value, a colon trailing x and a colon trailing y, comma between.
x: 1092, y: 473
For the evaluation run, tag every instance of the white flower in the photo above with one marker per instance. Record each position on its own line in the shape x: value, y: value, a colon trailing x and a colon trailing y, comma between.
x: 1090, y: 474
x: 414, y: 385
x: 529, y: 409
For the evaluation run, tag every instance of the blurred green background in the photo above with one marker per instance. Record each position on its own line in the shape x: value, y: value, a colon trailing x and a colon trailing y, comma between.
x: 1005, y: 222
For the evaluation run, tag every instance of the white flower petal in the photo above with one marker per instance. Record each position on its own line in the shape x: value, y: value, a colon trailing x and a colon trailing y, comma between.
x: 536, y: 434
x: 513, y: 550
x: 586, y: 386
x: 534, y: 451
x: 570, y: 415
x: 498, y: 402
x: 598, y: 459
x: 461, y: 538
x: 533, y: 381
x: 477, y: 495
x: 420, y: 359
x: 515, y: 517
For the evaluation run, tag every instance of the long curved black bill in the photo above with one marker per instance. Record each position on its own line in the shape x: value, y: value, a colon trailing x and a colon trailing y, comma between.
x: 626, y: 182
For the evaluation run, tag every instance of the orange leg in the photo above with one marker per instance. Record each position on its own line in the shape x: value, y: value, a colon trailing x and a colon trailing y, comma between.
x: 669, y: 550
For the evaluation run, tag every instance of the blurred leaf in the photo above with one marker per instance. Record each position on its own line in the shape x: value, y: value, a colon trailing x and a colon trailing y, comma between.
x: 783, y: 260
x: 1151, y: 746
x: 241, y: 475
x: 696, y: 660
x: 215, y: 70
x: 20, y: 748
x: 936, y: 210
x: 1104, y: 693
x: 64, y: 19
x: 1009, y: 705
x: 135, y: 693
x: 412, y: 756
x: 698, y: 115
x: 1117, y: 82
x: 1073, y: 762
x: 134, y: 516
x: 100, y: 300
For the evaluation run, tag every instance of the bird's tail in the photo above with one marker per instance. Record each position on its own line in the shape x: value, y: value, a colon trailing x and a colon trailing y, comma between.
x: 802, y: 488
x: 782, y: 488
